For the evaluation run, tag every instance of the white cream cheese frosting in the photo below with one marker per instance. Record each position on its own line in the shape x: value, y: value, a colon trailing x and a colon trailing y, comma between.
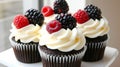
x: 50, y: 18
x: 63, y: 40
x: 94, y: 28
x: 26, y: 34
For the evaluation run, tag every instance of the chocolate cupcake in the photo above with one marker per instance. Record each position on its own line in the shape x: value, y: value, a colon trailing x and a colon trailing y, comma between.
x: 26, y: 52
x: 25, y: 36
x: 62, y: 44
x: 95, y: 48
x: 95, y: 29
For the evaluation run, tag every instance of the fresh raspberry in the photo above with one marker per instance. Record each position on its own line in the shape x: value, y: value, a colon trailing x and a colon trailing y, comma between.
x: 53, y: 26
x: 47, y: 11
x: 20, y: 21
x: 81, y: 16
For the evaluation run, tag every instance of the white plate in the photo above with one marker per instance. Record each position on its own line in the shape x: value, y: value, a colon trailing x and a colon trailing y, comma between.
x: 8, y: 59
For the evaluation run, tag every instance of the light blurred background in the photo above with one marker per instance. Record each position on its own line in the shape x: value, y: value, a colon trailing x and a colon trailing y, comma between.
x: 9, y: 8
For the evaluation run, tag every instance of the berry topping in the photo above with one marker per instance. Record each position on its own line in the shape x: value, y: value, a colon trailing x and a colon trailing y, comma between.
x: 60, y: 6
x: 34, y: 17
x: 53, y: 26
x: 81, y: 16
x: 67, y: 21
x: 93, y: 12
x: 47, y: 11
x: 20, y: 21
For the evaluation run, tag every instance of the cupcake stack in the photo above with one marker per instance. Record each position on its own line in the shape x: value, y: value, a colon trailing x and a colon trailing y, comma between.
x: 59, y: 38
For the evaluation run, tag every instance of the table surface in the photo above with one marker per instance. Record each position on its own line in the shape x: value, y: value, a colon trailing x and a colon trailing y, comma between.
x: 8, y: 59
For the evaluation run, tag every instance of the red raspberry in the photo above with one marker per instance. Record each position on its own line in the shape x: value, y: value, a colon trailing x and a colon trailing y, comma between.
x: 81, y: 16
x: 53, y: 26
x: 20, y: 21
x: 47, y: 11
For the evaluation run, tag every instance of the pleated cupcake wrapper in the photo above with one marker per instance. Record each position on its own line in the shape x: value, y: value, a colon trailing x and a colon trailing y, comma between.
x: 73, y: 60
x: 95, y: 51
x: 26, y: 53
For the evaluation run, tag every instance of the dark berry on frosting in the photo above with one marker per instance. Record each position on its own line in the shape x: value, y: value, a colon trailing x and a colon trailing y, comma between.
x: 81, y: 16
x: 47, y: 11
x: 34, y: 17
x: 53, y: 26
x: 67, y: 21
x: 60, y: 6
x: 20, y: 21
x: 93, y: 11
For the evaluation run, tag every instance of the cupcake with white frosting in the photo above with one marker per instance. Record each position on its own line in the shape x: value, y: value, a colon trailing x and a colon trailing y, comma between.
x: 95, y: 29
x: 25, y: 36
x: 62, y: 43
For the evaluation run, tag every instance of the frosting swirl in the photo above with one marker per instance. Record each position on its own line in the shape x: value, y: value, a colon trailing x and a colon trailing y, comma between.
x: 50, y: 18
x: 94, y: 28
x: 26, y: 34
x: 63, y: 40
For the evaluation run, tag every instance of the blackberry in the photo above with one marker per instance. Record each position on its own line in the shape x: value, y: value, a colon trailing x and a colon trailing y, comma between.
x: 60, y: 6
x: 93, y: 11
x: 34, y: 17
x: 66, y: 20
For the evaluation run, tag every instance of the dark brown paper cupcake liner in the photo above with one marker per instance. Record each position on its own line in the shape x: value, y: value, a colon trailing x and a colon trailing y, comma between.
x: 95, y: 51
x: 26, y: 53
x: 72, y: 60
